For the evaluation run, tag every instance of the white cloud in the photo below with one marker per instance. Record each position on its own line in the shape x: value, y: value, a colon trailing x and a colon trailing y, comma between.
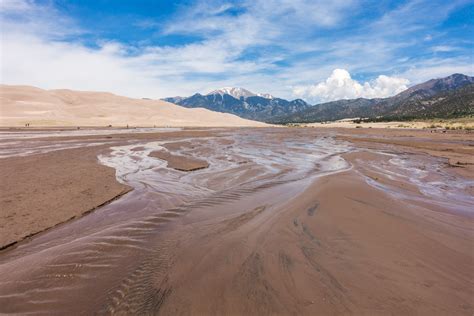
x: 439, y: 68
x: 265, y: 18
x: 33, y: 51
x: 443, y: 48
x: 340, y: 85
x: 28, y: 17
x: 36, y: 49
x: 39, y: 47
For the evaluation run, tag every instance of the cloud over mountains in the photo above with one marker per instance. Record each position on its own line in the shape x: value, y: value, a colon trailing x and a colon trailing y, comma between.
x: 340, y: 85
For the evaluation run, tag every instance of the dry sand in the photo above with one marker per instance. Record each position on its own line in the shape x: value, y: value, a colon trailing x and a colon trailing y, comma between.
x: 463, y: 123
x: 283, y: 221
x: 24, y: 104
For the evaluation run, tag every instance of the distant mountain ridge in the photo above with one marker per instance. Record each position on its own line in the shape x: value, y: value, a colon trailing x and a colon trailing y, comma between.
x: 435, y: 97
x: 239, y: 93
x: 242, y: 102
x: 446, y: 104
x: 445, y: 97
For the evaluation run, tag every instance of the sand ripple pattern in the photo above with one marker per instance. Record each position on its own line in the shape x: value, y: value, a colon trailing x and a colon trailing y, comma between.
x: 116, y: 259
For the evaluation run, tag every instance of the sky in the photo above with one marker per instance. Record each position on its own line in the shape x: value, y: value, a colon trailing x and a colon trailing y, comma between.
x: 317, y: 50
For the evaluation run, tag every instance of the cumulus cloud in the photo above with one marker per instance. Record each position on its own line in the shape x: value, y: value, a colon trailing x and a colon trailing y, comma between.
x: 340, y: 85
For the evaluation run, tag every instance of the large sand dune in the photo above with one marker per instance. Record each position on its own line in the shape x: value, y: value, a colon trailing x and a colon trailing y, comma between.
x: 25, y: 104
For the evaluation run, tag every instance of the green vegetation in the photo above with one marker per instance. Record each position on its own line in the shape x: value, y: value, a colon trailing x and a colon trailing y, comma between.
x: 447, y: 98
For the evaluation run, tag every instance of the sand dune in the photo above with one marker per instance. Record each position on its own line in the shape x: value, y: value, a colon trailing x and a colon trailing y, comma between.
x: 25, y: 104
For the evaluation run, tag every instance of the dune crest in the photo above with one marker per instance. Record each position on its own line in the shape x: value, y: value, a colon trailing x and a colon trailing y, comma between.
x: 25, y: 104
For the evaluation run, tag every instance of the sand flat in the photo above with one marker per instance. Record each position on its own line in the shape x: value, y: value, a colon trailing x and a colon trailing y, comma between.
x: 314, y: 222
x: 40, y: 191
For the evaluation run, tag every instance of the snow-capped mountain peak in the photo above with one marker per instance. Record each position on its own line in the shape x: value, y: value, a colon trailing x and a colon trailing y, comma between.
x: 239, y: 92
x: 265, y: 95
x: 235, y: 92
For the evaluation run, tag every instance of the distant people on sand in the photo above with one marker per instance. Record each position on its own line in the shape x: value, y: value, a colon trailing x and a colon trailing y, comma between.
x: 27, y: 124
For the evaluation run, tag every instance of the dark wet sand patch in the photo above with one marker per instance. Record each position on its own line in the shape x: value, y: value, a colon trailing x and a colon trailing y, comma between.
x: 181, y: 163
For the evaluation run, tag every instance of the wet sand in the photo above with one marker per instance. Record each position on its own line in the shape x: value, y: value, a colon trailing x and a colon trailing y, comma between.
x: 182, y: 163
x: 456, y: 146
x: 283, y: 221
x: 40, y: 191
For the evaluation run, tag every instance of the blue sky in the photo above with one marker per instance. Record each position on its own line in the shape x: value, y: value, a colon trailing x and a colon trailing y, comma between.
x: 318, y: 50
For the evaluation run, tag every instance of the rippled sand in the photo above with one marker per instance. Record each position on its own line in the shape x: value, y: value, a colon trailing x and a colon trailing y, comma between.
x: 282, y: 221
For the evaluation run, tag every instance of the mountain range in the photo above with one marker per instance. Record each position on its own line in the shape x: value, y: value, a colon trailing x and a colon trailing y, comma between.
x: 451, y: 96
x: 241, y: 102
